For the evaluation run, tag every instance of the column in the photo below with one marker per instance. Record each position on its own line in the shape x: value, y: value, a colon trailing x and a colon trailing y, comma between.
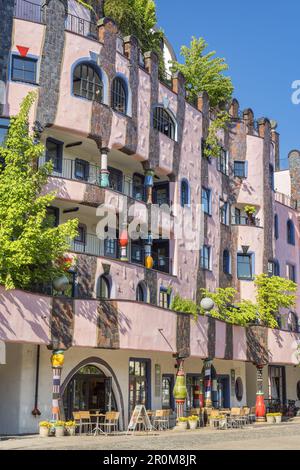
x: 201, y: 394
x: 57, y: 361
x: 123, y: 242
x: 207, y: 384
x: 148, y: 252
x: 260, y: 401
x: 104, y: 173
x: 149, y: 186
x: 180, y: 391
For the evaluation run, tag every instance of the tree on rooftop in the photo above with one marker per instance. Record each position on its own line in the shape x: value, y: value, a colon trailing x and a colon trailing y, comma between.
x: 30, y: 247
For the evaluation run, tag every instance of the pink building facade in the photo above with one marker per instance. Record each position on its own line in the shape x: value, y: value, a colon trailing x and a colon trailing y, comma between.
x: 122, y: 138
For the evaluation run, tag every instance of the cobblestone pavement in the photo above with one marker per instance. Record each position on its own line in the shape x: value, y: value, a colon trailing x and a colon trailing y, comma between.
x: 282, y: 436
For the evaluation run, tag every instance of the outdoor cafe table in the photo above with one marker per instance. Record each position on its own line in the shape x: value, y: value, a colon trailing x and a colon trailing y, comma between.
x: 97, y: 429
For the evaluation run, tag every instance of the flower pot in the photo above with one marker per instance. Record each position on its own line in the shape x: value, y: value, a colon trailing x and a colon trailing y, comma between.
x: 193, y: 424
x: 44, y: 431
x: 59, y: 431
x: 270, y: 419
x: 71, y: 430
x: 278, y: 419
x: 182, y: 425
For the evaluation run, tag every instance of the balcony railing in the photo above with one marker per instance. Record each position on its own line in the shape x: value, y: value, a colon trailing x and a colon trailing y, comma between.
x: 242, y: 220
x: 81, y: 26
x: 286, y: 200
x: 29, y: 11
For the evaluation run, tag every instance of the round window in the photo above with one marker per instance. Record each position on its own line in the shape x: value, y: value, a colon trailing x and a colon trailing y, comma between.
x: 239, y: 389
x: 298, y: 390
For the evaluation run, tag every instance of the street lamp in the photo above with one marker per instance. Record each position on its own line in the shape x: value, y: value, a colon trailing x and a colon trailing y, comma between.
x: 207, y: 304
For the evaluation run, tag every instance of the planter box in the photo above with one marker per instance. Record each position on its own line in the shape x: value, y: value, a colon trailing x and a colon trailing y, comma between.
x: 71, y: 431
x: 270, y: 419
x: 44, y: 431
x: 60, y: 431
x: 181, y: 425
x: 278, y: 419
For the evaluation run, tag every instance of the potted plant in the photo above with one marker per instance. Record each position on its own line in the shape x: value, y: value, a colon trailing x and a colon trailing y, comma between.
x: 44, y: 428
x: 250, y: 211
x: 270, y: 418
x: 70, y: 428
x: 182, y: 423
x: 278, y: 417
x: 193, y: 421
x: 59, y: 428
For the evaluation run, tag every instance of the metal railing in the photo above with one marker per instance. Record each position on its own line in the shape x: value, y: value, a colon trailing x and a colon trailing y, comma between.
x: 286, y: 200
x: 166, y: 79
x: 81, y: 26
x: 29, y: 11
x: 242, y: 220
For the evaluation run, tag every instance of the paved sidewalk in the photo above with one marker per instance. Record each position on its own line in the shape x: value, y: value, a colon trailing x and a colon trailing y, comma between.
x: 260, y: 437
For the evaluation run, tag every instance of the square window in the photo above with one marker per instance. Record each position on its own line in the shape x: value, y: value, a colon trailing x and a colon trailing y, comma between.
x: 206, y: 201
x: 24, y: 69
x: 239, y: 169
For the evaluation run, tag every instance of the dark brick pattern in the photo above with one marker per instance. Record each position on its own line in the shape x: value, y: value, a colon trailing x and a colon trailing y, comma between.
x: 257, y: 345
x: 211, y: 338
x: 86, y: 276
x: 183, y: 335
x: 229, y: 342
x: 108, y: 326
x: 131, y: 46
x: 62, y: 323
x: 54, y: 14
x: 151, y: 281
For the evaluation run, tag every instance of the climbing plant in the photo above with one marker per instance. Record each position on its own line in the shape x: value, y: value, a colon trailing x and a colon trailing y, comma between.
x: 29, y: 245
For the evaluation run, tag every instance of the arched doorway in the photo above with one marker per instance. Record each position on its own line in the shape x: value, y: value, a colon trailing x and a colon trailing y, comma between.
x: 88, y: 390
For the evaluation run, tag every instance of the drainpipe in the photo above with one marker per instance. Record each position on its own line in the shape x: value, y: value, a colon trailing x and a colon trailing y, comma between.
x: 36, y: 412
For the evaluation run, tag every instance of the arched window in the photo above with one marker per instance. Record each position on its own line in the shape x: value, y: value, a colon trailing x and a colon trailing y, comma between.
x: 119, y: 95
x: 185, y: 193
x: 87, y: 82
x: 290, y: 232
x: 163, y: 122
x: 226, y: 262
x: 141, y: 292
x: 104, y: 289
x: 276, y: 227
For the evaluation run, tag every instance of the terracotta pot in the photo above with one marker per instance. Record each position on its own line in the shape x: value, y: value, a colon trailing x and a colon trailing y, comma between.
x: 60, y: 431
x: 44, y: 431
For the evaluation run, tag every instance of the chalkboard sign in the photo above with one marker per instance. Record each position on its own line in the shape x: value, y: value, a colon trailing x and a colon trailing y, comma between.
x: 139, y: 416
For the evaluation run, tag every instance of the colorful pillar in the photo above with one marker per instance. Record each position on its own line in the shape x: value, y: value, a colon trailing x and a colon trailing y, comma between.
x: 57, y: 361
x: 123, y: 241
x: 104, y: 173
x: 207, y: 384
x: 260, y: 401
x: 148, y: 252
x: 201, y: 393
x: 149, y: 185
x: 180, y: 391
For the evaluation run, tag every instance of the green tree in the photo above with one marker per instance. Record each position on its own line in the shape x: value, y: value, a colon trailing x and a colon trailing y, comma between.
x: 29, y: 247
x: 204, y: 72
x: 138, y: 18
x: 184, y: 306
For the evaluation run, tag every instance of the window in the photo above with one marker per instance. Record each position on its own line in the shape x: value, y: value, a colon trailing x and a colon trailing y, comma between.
x: 167, y: 392
x: 164, y: 298
x: 224, y: 212
x: 104, y: 290
x: 163, y: 122
x: 237, y: 216
x: 87, y: 83
x: 206, y: 201
x: 111, y: 247
x: 24, y: 69
x: 239, y: 389
x: 161, y: 194
x: 138, y: 188
x: 239, y: 169
x: 185, y: 193
x: 271, y: 175
x: 54, y: 152
x: 81, y: 237
x: 205, y: 261
x: 290, y: 232
x: 141, y: 292
x: 139, y: 383
x: 226, y: 262
x: 82, y: 169
x: 119, y: 95
x: 292, y: 322
x: 276, y: 268
x: 137, y: 252
x: 115, y: 179
x: 4, y: 125
x: 271, y: 268
x: 244, y: 266
x: 223, y: 161
x: 276, y: 227
x: 291, y: 272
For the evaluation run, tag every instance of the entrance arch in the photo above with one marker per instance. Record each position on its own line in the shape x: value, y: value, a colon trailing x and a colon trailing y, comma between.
x: 106, y: 372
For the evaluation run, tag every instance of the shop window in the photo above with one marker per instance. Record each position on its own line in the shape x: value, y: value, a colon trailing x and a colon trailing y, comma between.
x: 139, y: 383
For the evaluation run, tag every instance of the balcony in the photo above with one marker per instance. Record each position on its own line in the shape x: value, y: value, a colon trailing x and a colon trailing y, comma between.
x: 286, y: 200
x: 81, y: 26
x: 245, y: 221
x: 29, y: 11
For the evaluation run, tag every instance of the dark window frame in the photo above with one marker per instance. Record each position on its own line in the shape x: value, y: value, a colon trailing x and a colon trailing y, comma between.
x: 115, y: 179
x: 276, y: 226
x: 28, y: 60
x: 58, y: 162
x: 163, y: 122
x: 119, y: 95
x: 226, y: 262
x: 239, y: 169
x: 84, y: 164
x: 290, y: 227
x: 91, y: 88
x: 250, y: 258
x: 144, y: 378
x: 184, y: 193
x: 105, y: 279
x: 205, y: 258
x: 207, y: 192
x: 223, y: 162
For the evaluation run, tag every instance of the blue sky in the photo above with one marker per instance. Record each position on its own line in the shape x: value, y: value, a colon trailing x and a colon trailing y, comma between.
x: 260, y: 41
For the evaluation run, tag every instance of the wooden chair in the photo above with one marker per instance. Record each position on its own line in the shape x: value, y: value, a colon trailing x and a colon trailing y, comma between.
x: 86, y: 421
x: 111, y: 421
x: 77, y: 419
x: 252, y: 415
x: 161, y: 420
